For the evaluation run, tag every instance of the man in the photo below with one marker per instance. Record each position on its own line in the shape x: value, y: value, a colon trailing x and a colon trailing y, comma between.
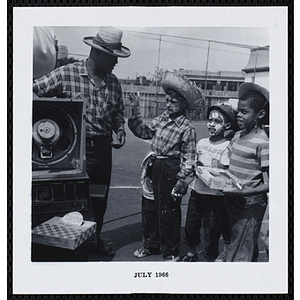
x: 94, y: 81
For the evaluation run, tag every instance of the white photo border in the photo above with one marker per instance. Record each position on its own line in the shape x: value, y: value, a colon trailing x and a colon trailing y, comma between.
x: 117, y: 277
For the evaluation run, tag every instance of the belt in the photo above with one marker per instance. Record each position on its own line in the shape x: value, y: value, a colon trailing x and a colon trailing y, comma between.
x: 165, y: 156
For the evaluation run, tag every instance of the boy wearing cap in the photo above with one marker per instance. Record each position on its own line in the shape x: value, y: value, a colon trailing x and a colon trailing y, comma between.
x: 93, y: 80
x: 205, y: 204
x: 173, y: 143
x: 249, y: 162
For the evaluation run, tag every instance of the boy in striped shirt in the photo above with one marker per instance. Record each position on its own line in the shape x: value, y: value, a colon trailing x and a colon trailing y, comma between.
x: 249, y: 162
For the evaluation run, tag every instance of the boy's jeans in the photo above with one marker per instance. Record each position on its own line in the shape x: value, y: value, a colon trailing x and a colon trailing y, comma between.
x: 245, y: 217
x: 211, y: 210
x: 150, y: 223
x: 169, y: 212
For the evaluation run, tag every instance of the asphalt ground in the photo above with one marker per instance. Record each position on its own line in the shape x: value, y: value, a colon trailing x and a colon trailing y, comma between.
x: 122, y: 221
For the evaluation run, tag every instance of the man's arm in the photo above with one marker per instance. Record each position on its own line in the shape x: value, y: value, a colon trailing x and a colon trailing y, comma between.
x: 49, y: 85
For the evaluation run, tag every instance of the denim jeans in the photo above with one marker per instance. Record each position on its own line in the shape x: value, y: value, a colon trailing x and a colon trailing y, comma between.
x: 245, y: 218
x: 168, y: 211
x: 211, y: 210
x: 150, y: 223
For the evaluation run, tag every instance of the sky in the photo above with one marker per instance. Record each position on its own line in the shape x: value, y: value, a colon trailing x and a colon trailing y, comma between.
x: 180, y: 47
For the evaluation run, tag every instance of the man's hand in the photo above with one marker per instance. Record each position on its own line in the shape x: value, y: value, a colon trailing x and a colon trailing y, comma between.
x: 120, y: 139
x: 179, y: 190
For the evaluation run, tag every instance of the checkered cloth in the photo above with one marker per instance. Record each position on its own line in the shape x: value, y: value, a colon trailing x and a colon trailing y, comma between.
x: 169, y: 137
x: 79, y: 234
x: 105, y: 109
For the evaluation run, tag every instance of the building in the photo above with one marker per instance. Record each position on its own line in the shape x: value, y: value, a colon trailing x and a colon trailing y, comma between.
x: 62, y: 52
x: 257, y: 70
x: 220, y: 87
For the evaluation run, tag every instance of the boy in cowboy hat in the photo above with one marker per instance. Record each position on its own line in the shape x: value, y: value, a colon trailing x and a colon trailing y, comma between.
x: 206, y: 205
x: 249, y: 162
x: 93, y: 80
x: 173, y: 143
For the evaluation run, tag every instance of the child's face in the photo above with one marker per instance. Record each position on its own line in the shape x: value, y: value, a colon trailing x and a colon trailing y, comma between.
x: 216, y: 123
x: 175, y: 105
x: 246, y: 116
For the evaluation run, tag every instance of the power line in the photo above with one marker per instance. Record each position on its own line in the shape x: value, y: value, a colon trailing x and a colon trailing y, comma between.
x: 197, y: 39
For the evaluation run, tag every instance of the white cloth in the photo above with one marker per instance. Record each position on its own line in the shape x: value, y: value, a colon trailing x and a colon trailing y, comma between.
x: 44, y: 52
x: 146, y: 182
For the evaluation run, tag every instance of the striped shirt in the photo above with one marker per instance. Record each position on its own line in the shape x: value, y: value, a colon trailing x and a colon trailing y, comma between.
x: 169, y: 137
x: 104, y: 103
x: 248, y: 156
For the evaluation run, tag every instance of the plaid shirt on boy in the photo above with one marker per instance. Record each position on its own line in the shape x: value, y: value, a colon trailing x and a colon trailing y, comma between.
x: 169, y: 137
x: 104, y: 104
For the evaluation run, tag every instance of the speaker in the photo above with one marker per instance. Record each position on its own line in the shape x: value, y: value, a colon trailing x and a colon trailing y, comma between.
x: 59, y: 180
x: 58, y: 137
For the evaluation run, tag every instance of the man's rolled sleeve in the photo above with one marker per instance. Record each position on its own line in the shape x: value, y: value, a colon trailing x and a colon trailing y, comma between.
x: 49, y: 85
x: 118, y: 115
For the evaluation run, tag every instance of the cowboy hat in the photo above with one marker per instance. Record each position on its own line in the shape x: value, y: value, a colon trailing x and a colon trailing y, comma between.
x: 250, y: 86
x: 187, y: 89
x: 108, y: 40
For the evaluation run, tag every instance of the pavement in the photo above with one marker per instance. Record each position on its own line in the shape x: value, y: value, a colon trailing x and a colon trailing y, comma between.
x: 122, y: 221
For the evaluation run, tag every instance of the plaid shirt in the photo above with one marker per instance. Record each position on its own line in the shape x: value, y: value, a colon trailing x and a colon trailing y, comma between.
x: 104, y: 104
x: 169, y: 137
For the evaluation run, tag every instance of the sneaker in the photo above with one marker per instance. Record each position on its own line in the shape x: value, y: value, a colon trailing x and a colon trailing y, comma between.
x: 143, y: 252
x: 222, y: 257
x: 190, y: 257
x: 172, y: 258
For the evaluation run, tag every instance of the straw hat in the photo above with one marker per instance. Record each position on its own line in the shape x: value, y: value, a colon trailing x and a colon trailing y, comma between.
x: 108, y: 40
x: 250, y: 86
x: 187, y: 89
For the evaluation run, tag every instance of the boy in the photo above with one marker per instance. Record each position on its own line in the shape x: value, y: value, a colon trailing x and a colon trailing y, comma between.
x: 249, y: 162
x: 206, y: 204
x: 173, y: 143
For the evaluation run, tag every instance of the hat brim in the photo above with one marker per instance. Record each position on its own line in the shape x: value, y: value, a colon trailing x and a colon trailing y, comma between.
x: 250, y: 86
x: 183, y: 88
x: 124, y: 52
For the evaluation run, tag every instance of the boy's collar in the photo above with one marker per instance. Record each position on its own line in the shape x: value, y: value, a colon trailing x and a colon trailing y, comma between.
x: 178, y: 121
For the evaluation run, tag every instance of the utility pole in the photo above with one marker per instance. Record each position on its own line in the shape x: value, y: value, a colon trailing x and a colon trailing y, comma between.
x: 206, y: 68
x: 254, y: 71
x: 158, y: 62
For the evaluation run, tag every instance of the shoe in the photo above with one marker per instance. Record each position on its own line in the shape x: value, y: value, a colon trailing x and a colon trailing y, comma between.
x: 190, y: 258
x: 222, y: 257
x: 204, y: 258
x: 104, y: 250
x: 172, y: 258
x: 143, y: 252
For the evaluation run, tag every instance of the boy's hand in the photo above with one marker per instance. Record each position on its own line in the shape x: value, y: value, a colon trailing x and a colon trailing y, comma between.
x: 135, y: 104
x: 134, y: 99
x: 179, y: 190
x: 238, y: 192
